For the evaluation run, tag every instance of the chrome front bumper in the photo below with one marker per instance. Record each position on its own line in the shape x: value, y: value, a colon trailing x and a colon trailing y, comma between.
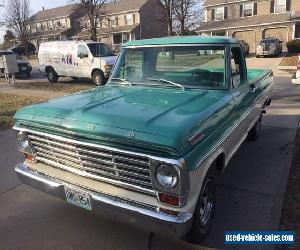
x: 143, y: 217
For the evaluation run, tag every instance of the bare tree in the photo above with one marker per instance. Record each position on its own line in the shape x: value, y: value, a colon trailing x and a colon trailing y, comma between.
x: 187, y: 15
x: 93, y: 11
x: 17, y: 18
x: 168, y: 6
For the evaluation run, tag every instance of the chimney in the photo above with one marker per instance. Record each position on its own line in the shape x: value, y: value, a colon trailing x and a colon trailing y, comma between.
x: 43, y: 8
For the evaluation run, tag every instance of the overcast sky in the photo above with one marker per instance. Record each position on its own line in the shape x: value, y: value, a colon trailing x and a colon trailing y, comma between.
x: 35, y: 6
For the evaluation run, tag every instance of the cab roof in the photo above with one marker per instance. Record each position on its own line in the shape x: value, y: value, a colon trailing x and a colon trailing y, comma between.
x: 175, y: 40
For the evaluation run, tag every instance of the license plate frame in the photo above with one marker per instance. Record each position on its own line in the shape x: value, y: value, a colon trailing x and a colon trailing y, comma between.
x: 78, y: 198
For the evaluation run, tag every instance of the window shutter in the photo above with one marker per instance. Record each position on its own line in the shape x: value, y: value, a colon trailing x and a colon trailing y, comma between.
x: 225, y: 12
x: 288, y: 5
x: 255, y: 9
x: 241, y: 10
x: 272, y: 7
x: 213, y: 14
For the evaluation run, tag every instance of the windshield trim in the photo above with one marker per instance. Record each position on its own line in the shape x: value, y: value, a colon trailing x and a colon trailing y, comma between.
x: 227, y: 64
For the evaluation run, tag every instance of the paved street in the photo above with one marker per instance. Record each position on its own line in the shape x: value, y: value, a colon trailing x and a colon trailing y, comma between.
x: 250, y: 196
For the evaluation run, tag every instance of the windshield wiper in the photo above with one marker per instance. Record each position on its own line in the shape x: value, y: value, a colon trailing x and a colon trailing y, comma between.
x: 121, y: 80
x: 166, y: 81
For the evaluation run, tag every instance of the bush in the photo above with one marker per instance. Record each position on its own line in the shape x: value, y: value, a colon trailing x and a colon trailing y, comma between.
x: 293, y: 46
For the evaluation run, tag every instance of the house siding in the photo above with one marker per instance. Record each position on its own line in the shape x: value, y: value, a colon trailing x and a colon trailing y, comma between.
x: 254, y: 28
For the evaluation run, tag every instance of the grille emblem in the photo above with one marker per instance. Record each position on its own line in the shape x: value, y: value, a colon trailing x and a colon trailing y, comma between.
x: 131, y: 134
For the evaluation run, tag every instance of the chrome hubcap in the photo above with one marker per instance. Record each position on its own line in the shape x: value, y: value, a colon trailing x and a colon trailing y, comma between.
x: 207, y: 202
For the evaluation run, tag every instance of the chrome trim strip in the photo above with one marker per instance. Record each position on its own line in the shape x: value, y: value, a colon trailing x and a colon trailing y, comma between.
x: 177, y: 45
x: 116, y: 202
x: 220, y: 142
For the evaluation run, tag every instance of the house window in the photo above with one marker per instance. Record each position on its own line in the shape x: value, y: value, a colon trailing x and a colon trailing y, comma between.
x: 219, y: 14
x: 99, y: 24
x: 63, y: 23
x: 114, y: 22
x: 280, y: 6
x: 248, y: 9
x: 129, y: 19
x: 50, y: 25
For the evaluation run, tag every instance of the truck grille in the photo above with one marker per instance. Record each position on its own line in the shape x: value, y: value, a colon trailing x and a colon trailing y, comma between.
x: 108, y: 165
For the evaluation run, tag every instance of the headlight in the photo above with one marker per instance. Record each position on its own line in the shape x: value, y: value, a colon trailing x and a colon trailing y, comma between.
x: 167, y: 176
x: 23, y: 143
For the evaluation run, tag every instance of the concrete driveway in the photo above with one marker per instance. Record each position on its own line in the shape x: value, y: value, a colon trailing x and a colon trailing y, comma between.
x: 250, y: 196
x: 264, y: 63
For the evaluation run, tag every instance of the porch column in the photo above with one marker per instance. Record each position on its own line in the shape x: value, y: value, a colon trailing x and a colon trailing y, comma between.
x: 130, y: 36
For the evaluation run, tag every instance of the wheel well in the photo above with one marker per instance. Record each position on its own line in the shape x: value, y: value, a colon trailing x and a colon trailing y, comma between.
x: 48, y: 68
x: 94, y: 70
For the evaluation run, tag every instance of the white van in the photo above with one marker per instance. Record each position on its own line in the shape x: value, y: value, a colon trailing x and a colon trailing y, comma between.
x: 76, y: 59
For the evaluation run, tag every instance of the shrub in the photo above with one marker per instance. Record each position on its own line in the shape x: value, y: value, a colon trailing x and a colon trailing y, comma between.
x: 293, y: 46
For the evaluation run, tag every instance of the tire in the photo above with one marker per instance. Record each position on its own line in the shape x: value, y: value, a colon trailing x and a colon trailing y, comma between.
x: 257, y: 56
x: 98, y: 78
x: 253, y: 134
x: 52, y: 75
x: 28, y: 74
x: 205, y: 210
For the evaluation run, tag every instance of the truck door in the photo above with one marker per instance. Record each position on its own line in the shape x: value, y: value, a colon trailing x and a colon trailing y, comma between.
x: 243, y: 98
x: 83, y: 64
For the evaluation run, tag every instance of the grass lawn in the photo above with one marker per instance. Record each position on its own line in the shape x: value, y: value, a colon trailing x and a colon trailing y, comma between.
x: 9, y: 104
x: 62, y: 87
x: 290, y: 60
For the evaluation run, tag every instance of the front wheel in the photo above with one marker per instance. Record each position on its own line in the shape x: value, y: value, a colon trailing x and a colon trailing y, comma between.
x: 52, y: 76
x: 98, y: 78
x: 204, y: 211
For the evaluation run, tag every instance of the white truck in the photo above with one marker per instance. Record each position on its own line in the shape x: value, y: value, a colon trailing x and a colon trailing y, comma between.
x: 76, y: 59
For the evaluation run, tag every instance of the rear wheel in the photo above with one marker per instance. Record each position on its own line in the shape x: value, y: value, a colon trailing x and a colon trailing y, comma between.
x: 98, y: 78
x: 255, y: 131
x: 204, y: 211
x: 52, y: 75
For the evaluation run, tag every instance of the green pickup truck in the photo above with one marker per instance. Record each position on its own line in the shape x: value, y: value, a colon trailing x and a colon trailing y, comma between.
x: 148, y: 148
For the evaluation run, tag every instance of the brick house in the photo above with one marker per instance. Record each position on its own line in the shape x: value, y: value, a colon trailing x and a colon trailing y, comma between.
x: 122, y: 21
x: 53, y: 24
x: 252, y: 20
x: 127, y: 20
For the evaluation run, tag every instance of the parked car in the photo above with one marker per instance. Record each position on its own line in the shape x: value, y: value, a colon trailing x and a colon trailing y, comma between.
x: 271, y: 46
x: 245, y: 46
x: 296, y: 76
x: 76, y: 59
x: 24, y: 66
x: 148, y: 147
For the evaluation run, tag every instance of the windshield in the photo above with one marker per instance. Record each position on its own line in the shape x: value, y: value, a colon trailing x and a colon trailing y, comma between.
x: 268, y: 41
x: 185, y: 67
x: 100, y: 50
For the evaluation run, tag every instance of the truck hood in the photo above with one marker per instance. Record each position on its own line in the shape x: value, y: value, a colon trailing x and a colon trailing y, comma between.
x: 161, y: 117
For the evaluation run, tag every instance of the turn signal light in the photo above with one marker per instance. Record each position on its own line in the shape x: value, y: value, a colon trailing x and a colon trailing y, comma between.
x: 29, y: 157
x: 169, y: 199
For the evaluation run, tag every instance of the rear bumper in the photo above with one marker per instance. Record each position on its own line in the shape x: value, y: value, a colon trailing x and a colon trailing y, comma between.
x: 140, y: 216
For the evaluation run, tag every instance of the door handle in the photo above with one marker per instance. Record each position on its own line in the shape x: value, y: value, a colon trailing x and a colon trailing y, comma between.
x: 252, y: 88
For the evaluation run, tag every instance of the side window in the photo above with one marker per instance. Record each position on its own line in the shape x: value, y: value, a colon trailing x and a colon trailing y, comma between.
x: 82, y: 52
x: 237, y: 71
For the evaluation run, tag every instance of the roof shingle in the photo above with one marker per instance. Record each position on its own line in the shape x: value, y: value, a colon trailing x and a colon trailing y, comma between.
x: 67, y: 10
